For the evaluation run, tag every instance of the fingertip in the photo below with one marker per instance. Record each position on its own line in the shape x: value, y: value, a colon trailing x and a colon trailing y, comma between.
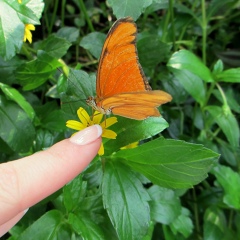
x: 87, y: 135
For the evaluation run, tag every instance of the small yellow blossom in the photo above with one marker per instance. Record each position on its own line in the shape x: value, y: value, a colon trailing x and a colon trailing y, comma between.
x: 27, y: 32
x: 19, y: 1
x: 86, y: 121
x: 131, y: 145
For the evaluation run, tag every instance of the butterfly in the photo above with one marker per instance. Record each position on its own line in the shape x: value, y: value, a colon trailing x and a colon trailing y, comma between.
x: 122, y: 87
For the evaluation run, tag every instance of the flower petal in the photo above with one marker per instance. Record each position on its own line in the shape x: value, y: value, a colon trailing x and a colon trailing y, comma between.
x: 30, y: 27
x: 83, y: 116
x: 101, y: 150
x: 27, y: 32
x: 107, y: 133
x: 75, y: 125
x: 27, y: 36
x: 108, y: 122
x: 97, y: 117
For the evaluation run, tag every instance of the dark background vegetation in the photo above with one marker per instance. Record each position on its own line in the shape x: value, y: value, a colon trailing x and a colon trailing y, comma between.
x: 190, y: 49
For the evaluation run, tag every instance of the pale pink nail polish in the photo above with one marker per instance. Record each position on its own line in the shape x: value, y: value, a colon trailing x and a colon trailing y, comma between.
x: 87, y: 135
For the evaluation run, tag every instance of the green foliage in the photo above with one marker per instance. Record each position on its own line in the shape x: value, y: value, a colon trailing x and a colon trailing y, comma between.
x: 230, y: 181
x: 186, y: 60
x: 36, y: 72
x: 129, y: 8
x: 98, y: 39
x: 12, y: 22
x: 125, y: 200
x: 160, y: 189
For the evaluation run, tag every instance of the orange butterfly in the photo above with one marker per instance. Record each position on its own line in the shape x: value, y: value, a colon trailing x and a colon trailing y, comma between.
x: 122, y: 87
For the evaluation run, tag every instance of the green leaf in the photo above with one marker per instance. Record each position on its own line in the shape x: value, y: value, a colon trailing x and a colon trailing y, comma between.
x: 12, y: 120
x: 85, y: 227
x: 170, y: 163
x: 230, y: 75
x: 54, y: 121
x: 73, y: 193
x: 34, y: 73
x: 125, y: 200
x: 132, y: 8
x: 11, y: 31
x: 12, y: 28
x: 4, y: 148
x: 44, y: 139
x: 227, y: 122
x: 43, y: 111
x: 183, y: 224
x: 165, y: 205
x: 17, y: 97
x: 173, y: 86
x: 157, y: 5
x: 192, y: 84
x: 70, y: 34
x: 36, y: 6
x: 152, y: 50
x: 218, y: 67
x: 94, y: 43
x: 229, y: 154
x: 53, y: 92
x: 215, y: 224
x: 54, y: 46
x: 186, y: 60
x: 50, y: 226
x: 130, y: 131
x: 231, y: 97
x: 230, y: 181
x: 80, y: 87
x: 7, y: 69
x: 150, y: 232
x: 93, y: 175
x: 26, y: 15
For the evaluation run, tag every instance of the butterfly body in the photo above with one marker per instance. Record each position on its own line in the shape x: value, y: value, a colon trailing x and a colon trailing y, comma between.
x: 122, y: 87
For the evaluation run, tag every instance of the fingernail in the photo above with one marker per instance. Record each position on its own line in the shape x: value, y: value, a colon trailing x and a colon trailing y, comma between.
x: 24, y: 212
x: 87, y: 135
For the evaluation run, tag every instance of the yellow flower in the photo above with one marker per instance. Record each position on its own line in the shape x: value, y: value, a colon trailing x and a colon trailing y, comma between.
x: 86, y: 121
x: 131, y: 145
x: 19, y: 1
x: 27, y: 32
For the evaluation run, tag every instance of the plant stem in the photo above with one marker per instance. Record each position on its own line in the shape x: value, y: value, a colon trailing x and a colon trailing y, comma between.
x: 165, y: 27
x: 230, y: 219
x: 46, y: 18
x: 53, y: 17
x: 63, y: 12
x: 172, y: 21
x: 204, y: 32
x: 195, y: 209
x: 209, y: 92
x: 83, y: 9
x: 222, y: 94
x: 26, y: 52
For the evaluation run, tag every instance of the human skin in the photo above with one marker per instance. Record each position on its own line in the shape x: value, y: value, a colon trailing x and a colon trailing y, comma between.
x: 27, y: 181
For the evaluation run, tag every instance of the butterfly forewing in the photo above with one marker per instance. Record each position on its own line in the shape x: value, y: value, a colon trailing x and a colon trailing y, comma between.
x: 119, y: 69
